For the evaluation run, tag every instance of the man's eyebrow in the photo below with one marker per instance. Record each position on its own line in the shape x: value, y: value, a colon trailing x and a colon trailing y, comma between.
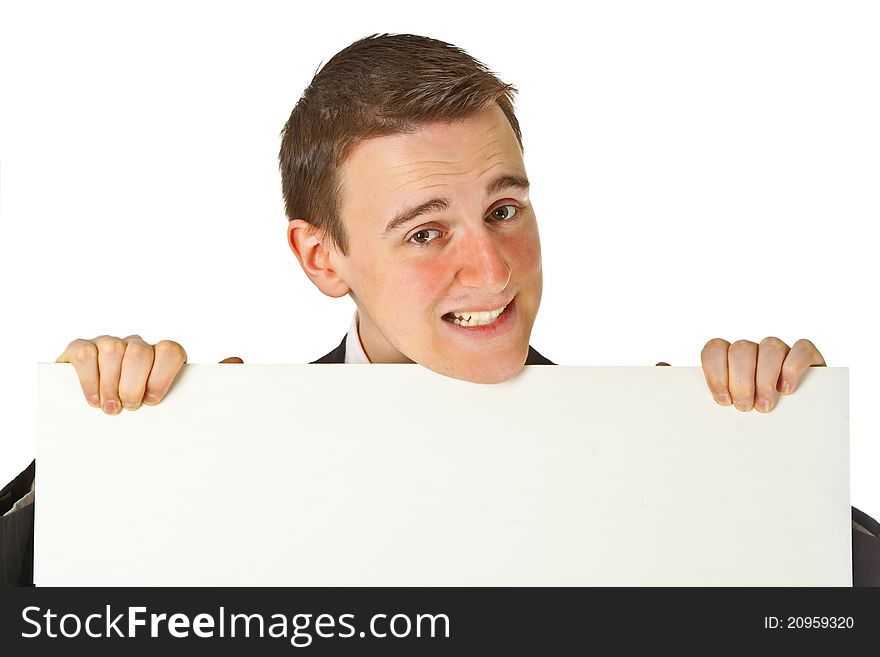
x: 506, y: 181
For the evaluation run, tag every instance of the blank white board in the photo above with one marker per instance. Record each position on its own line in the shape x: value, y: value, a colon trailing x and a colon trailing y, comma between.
x: 392, y: 475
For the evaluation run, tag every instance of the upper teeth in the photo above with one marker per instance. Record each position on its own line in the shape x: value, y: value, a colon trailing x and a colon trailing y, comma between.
x: 473, y: 318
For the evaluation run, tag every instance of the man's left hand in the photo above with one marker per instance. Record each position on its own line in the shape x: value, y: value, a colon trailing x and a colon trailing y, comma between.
x: 747, y: 374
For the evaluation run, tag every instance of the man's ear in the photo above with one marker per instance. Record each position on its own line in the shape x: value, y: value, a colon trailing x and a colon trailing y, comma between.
x: 312, y: 249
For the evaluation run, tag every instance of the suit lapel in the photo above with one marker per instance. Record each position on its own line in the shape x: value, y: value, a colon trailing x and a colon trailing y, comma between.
x: 335, y: 356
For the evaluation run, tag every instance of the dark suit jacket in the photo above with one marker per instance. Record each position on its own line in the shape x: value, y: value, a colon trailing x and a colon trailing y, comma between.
x: 17, y: 529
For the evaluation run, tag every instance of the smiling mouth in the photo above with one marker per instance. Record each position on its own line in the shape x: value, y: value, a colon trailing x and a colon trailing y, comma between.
x: 468, y: 318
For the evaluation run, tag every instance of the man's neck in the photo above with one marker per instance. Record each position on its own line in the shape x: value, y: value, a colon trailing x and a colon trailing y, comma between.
x: 374, y: 344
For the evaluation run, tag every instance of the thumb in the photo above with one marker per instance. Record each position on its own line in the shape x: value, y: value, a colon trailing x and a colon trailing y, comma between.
x: 233, y: 359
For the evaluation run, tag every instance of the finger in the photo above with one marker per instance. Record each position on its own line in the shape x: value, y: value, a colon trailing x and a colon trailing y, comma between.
x: 169, y: 357
x: 111, y: 350
x: 232, y: 359
x: 802, y: 356
x: 714, y: 360
x: 771, y: 354
x: 83, y: 355
x: 741, y: 362
x: 136, y: 365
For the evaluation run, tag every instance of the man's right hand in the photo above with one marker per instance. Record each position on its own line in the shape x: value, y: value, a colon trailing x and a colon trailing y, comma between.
x: 115, y: 372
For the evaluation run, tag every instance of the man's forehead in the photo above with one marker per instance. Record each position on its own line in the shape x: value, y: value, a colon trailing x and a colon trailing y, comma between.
x: 434, y: 154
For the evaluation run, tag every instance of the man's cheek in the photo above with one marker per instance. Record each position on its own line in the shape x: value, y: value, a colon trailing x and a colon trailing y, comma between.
x: 524, y: 253
x: 424, y: 281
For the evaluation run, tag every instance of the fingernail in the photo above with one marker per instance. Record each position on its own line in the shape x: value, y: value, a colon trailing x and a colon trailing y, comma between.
x: 743, y: 406
x: 110, y: 406
x: 95, y: 401
x: 151, y: 398
x: 786, y: 388
x: 129, y: 406
x: 723, y: 398
x: 763, y: 405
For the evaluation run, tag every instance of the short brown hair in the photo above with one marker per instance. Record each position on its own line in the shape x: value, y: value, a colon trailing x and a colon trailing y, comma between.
x: 381, y: 85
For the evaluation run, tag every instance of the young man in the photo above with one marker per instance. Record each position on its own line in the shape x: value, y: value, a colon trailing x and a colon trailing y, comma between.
x: 405, y: 188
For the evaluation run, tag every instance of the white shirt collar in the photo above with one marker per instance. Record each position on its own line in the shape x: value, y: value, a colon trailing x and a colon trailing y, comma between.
x: 354, y: 350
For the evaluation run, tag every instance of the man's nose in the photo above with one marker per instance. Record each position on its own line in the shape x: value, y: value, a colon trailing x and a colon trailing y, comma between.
x: 482, y: 263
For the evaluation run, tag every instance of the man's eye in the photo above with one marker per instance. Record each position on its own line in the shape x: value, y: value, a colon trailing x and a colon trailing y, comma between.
x: 503, y: 212
x: 423, y: 236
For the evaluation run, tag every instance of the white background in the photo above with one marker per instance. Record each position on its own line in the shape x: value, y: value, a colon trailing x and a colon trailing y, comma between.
x: 699, y: 170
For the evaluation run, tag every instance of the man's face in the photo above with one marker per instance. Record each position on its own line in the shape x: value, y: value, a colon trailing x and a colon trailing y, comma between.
x: 474, y: 252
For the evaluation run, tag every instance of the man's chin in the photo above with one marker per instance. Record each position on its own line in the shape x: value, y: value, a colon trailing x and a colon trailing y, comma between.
x: 493, y: 377
x: 497, y: 371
